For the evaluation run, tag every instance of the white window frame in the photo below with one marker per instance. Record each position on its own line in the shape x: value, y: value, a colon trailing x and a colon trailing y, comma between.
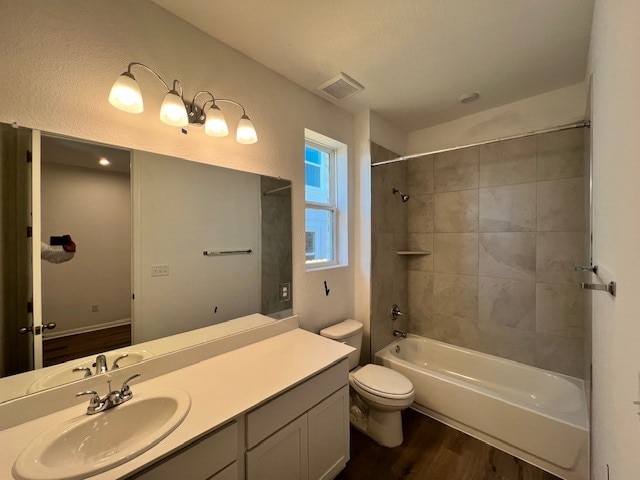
x: 338, y: 199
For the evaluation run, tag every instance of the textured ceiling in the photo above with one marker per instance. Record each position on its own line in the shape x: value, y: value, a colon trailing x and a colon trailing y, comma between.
x: 414, y: 57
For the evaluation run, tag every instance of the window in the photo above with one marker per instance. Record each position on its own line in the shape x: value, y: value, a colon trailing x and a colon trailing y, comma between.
x: 325, y: 197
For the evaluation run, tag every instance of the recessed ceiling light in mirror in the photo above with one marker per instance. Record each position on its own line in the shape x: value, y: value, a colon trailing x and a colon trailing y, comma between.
x: 104, y: 162
x: 468, y: 98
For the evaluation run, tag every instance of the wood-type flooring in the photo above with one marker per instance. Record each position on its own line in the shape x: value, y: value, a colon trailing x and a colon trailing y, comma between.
x: 434, y: 451
x: 63, y: 349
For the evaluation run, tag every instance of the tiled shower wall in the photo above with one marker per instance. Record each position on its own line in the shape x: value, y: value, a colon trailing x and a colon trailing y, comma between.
x: 388, y: 235
x: 505, y: 223
x: 276, y: 244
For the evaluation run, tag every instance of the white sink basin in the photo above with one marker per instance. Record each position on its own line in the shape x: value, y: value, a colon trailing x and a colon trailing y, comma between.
x: 65, y: 374
x: 90, y: 444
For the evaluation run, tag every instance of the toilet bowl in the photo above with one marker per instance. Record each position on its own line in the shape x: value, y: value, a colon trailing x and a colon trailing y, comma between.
x: 377, y: 394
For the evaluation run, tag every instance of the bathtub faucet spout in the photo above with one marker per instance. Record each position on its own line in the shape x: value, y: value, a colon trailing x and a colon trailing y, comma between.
x: 398, y: 333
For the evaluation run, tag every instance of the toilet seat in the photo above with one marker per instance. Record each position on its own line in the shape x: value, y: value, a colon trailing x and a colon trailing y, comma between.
x: 383, y: 382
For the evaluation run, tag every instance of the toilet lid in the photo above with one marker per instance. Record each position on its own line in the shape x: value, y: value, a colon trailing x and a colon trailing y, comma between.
x: 383, y: 381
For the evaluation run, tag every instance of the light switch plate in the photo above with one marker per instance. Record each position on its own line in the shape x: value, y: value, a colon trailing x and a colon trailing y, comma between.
x: 159, y: 270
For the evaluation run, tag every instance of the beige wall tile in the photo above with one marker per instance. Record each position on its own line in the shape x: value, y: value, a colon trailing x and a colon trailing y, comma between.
x: 419, y: 214
x: 508, y: 162
x: 456, y: 212
x: 420, y: 242
x: 384, y: 248
x: 560, y: 354
x: 508, y: 303
x: 561, y: 154
x: 508, y: 255
x: 456, y: 253
x: 388, y: 213
x: 510, y: 208
x: 420, y: 175
x: 560, y: 310
x: 450, y: 329
x: 385, y: 291
x: 556, y: 255
x: 420, y: 295
x: 505, y: 342
x: 455, y: 295
x: 457, y: 170
x: 561, y: 205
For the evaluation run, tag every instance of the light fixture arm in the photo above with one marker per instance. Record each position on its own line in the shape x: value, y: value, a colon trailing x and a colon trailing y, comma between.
x: 244, y: 113
x: 150, y: 70
x: 195, y: 97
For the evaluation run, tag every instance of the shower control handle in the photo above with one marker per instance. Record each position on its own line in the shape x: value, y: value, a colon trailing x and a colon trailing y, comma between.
x: 395, y: 312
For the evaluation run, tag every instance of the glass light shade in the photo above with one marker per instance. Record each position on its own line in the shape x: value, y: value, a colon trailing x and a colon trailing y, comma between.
x: 215, y: 124
x: 173, y: 111
x: 246, y: 134
x: 125, y: 94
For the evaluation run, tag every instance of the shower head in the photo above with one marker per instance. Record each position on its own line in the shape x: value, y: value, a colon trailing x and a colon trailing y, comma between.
x: 405, y: 198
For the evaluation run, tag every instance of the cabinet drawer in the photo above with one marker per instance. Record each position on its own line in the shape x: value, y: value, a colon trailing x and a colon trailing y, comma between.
x: 282, y: 456
x: 229, y: 473
x: 200, y: 460
x: 265, y: 420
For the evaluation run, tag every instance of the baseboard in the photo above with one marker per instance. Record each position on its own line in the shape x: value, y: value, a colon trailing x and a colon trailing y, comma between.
x: 90, y: 328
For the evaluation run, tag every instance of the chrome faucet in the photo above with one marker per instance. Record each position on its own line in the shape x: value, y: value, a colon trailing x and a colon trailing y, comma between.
x: 111, y: 399
x: 101, y: 364
x: 399, y: 333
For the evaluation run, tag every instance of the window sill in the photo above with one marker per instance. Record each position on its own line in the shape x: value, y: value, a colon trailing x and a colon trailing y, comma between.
x: 314, y: 268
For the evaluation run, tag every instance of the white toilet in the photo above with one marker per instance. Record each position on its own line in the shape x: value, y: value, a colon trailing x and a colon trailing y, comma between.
x: 378, y: 394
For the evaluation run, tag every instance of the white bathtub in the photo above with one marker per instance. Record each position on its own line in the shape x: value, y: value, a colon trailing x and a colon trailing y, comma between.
x: 533, y: 414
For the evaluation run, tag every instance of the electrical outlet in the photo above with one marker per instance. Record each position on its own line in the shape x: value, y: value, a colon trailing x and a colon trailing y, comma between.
x: 95, y: 307
x: 159, y: 270
x: 285, y: 292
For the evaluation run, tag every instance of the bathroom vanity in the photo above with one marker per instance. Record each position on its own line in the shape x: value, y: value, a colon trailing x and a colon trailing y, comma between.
x: 277, y: 408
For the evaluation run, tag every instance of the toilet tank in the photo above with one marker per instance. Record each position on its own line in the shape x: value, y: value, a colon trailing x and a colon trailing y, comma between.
x: 350, y: 333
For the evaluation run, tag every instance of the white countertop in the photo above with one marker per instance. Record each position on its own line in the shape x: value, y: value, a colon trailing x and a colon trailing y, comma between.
x: 221, y: 388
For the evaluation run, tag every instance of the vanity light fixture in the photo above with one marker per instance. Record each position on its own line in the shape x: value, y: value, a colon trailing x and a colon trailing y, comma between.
x: 178, y: 112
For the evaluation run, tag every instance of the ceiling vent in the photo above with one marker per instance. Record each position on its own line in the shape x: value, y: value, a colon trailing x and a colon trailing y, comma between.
x: 340, y: 86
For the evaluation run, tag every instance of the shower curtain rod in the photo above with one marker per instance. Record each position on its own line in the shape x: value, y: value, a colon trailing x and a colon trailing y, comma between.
x: 486, y: 142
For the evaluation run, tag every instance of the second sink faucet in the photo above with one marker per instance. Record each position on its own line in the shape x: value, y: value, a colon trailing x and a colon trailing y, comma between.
x: 101, y: 364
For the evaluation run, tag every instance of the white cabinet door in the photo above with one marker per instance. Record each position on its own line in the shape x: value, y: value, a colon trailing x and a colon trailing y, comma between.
x: 329, y: 436
x: 282, y: 456
x: 200, y: 460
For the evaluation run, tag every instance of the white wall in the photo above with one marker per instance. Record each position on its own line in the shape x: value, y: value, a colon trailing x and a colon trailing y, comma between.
x: 362, y: 190
x: 94, y: 207
x: 59, y: 60
x: 559, y: 107
x: 182, y: 209
x: 387, y: 135
x: 616, y: 172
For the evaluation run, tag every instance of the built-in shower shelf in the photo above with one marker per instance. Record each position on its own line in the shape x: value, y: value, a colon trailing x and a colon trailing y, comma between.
x: 413, y: 252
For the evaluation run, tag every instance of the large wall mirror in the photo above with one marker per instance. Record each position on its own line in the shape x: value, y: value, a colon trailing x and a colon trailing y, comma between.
x: 110, y: 251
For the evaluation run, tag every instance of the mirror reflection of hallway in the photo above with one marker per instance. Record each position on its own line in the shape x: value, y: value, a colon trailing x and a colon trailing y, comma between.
x: 86, y: 194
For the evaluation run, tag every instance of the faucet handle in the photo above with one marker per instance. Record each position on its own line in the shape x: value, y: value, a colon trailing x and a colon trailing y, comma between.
x: 115, y: 362
x: 86, y: 370
x: 126, y: 390
x: 95, y: 398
